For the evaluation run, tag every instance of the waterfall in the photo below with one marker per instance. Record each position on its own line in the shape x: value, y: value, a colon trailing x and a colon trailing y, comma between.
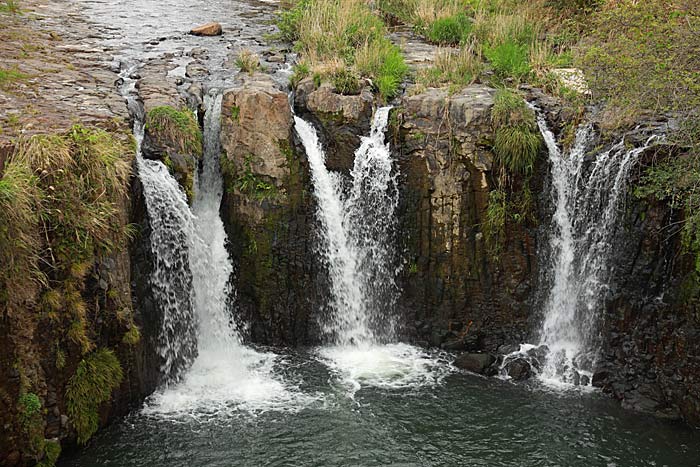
x: 588, y: 200
x: 355, y: 233
x: 211, y: 264
x: 172, y: 229
x: 356, y: 244
x: 224, y: 375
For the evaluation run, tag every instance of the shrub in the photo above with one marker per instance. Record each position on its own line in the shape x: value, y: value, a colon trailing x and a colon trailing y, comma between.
x: 509, y: 60
x: 451, y: 30
x: 346, y: 82
x: 300, y: 71
x: 92, y: 384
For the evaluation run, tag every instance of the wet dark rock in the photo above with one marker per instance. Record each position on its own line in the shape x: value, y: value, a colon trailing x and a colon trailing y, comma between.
x: 518, y: 369
x: 475, y: 362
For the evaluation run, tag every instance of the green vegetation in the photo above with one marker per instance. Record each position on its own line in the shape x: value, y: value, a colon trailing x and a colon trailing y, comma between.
x: 178, y: 127
x: 132, y: 336
x: 31, y: 420
x: 509, y: 60
x: 335, y: 35
x: 247, y: 61
x: 10, y: 76
x: 494, y: 225
x: 346, y: 82
x: 251, y: 183
x: 235, y: 112
x: 517, y: 139
x: 300, y: 71
x: 10, y: 6
x: 96, y: 377
x: 451, y: 30
x: 450, y: 67
x: 642, y: 58
x: 676, y: 180
x: 52, y: 450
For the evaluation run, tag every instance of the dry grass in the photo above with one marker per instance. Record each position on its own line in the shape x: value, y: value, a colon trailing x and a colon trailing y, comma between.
x: 248, y: 61
x: 460, y: 67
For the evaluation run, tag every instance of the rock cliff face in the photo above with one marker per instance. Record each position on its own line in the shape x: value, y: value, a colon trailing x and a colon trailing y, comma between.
x: 457, y: 294
x: 651, y: 355
x: 268, y: 213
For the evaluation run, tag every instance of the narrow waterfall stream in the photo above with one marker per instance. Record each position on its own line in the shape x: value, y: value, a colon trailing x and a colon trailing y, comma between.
x: 579, y: 261
x: 357, y: 248
x: 172, y: 227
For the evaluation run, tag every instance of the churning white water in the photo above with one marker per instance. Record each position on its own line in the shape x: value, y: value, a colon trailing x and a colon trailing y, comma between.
x: 226, y: 376
x: 357, y: 248
x: 588, y: 200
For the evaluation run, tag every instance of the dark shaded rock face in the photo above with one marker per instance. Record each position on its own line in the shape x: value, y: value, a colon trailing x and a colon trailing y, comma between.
x: 651, y: 332
x: 457, y: 295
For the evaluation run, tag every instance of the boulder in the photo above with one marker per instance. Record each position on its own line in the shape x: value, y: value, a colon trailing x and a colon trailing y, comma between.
x: 475, y: 362
x: 342, y: 119
x: 518, y: 369
x: 209, y: 29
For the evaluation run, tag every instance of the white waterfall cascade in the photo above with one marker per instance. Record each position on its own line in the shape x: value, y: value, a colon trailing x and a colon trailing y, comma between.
x: 225, y: 376
x: 172, y: 227
x: 588, y: 199
x: 357, y: 248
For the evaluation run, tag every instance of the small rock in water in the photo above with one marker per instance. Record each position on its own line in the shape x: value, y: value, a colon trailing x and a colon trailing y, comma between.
x: 519, y: 369
x: 209, y: 29
x: 475, y: 362
x: 585, y: 380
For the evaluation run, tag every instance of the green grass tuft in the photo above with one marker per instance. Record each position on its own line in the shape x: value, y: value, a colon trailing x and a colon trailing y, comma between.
x: 92, y: 384
x: 52, y: 451
x: 452, y: 30
x: 509, y: 60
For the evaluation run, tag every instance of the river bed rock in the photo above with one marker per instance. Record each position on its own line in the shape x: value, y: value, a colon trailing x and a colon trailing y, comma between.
x: 208, y: 29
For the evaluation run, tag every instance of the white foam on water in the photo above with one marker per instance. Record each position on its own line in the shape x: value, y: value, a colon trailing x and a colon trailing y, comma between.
x: 390, y: 366
x: 219, y: 386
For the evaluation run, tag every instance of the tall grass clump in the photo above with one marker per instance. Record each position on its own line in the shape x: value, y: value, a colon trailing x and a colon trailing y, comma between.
x: 517, y: 140
x: 247, y: 61
x: 96, y: 377
x: 20, y: 234
x: 382, y: 62
x: 454, y: 67
x: 451, y: 30
x: 333, y: 35
x: 509, y: 60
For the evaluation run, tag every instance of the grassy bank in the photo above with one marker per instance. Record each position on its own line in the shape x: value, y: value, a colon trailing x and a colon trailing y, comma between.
x: 343, y: 41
